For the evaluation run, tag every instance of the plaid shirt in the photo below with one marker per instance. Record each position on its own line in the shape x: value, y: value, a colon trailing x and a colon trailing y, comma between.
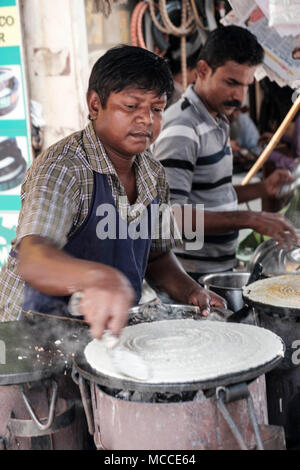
x: 56, y: 195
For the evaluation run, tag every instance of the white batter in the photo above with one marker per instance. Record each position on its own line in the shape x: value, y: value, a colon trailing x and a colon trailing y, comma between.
x: 190, y: 351
x: 280, y: 291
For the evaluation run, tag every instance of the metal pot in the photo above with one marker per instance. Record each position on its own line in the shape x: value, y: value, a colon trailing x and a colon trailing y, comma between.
x: 228, y: 285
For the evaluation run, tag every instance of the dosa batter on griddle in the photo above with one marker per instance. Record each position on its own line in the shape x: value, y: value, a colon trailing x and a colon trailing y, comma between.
x: 279, y: 291
x: 180, y: 351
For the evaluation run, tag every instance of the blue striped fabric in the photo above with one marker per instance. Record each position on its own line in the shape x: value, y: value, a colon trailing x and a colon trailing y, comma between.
x: 215, y: 158
x: 181, y: 192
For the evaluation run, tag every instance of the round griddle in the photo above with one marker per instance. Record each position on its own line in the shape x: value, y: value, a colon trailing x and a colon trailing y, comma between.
x: 82, y: 367
x: 269, y: 308
x: 28, y: 352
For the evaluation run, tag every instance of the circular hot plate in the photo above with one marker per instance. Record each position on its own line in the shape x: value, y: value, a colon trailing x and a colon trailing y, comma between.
x: 36, y: 350
x: 277, y: 295
x: 186, y: 355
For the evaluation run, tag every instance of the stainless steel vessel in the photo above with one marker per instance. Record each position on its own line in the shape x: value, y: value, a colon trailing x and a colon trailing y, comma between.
x: 229, y: 285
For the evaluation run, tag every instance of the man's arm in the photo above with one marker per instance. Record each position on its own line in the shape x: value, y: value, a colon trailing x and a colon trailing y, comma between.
x: 266, y: 188
x: 250, y: 192
x: 107, y: 294
x: 168, y: 275
x: 266, y: 223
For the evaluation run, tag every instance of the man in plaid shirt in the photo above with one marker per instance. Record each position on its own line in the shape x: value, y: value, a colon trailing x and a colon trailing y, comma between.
x: 60, y: 248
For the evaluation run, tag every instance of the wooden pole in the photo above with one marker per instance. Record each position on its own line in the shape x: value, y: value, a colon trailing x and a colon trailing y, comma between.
x: 273, y: 142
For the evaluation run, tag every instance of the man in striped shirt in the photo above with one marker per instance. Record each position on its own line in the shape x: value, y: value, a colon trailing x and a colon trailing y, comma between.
x: 195, y: 150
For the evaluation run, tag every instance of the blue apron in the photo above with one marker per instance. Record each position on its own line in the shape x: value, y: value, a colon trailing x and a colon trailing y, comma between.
x: 128, y: 255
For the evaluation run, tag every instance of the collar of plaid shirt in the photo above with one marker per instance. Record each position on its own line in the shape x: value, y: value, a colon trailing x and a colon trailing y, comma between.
x: 147, y: 171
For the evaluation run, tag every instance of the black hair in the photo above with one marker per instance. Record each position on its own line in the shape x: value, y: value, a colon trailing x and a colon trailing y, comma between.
x: 175, y: 65
x: 231, y: 43
x: 124, y: 66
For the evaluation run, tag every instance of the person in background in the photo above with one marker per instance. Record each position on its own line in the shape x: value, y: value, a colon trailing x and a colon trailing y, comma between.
x: 287, y: 153
x: 195, y: 150
x: 244, y: 139
x: 175, y: 67
x: 285, y: 156
x: 242, y: 129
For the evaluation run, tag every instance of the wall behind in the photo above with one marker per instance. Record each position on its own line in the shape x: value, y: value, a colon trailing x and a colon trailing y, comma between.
x: 56, y: 50
x: 106, y: 32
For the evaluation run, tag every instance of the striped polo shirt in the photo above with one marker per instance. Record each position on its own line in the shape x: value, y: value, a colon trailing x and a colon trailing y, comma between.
x: 195, y: 151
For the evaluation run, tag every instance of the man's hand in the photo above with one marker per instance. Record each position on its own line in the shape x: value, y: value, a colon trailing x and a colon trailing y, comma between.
x: 275, y: 226
x: 235, y: 146
x: 275, y: 181
x: 106, y: 307
x: 205, y: 299
x: 169, y: 276
x: 265, y: 138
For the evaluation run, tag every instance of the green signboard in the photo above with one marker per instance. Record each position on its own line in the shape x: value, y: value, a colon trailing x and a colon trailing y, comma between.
x: 15, y: 146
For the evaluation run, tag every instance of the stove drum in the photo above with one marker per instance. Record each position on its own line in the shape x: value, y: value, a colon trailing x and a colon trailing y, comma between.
x: 283, y: 383
x: 188, y: 425
x: 9, y: 91
x: 45, y: 420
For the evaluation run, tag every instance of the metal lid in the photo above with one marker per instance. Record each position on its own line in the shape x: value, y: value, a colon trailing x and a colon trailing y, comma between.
x: 276, y: 260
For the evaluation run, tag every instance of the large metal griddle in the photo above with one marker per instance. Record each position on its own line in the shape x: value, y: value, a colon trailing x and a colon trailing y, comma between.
x: 20, y: 339
x: 261, y: 308
x: 83, y: 368
x: 272, y: 310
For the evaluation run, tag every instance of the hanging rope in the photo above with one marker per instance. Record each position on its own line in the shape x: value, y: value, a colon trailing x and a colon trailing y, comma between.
x: 136, y: 27
x: 136, y: 34
x: 186, y: 28
x: 187, y: 20
x: 197, y: 17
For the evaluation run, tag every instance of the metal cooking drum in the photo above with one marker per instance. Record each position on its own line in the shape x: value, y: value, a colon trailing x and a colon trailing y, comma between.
x: 36, y: 412
x: 276, y: 300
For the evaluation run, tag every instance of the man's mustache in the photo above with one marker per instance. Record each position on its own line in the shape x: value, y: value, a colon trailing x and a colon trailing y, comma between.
x: 233, y: 103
